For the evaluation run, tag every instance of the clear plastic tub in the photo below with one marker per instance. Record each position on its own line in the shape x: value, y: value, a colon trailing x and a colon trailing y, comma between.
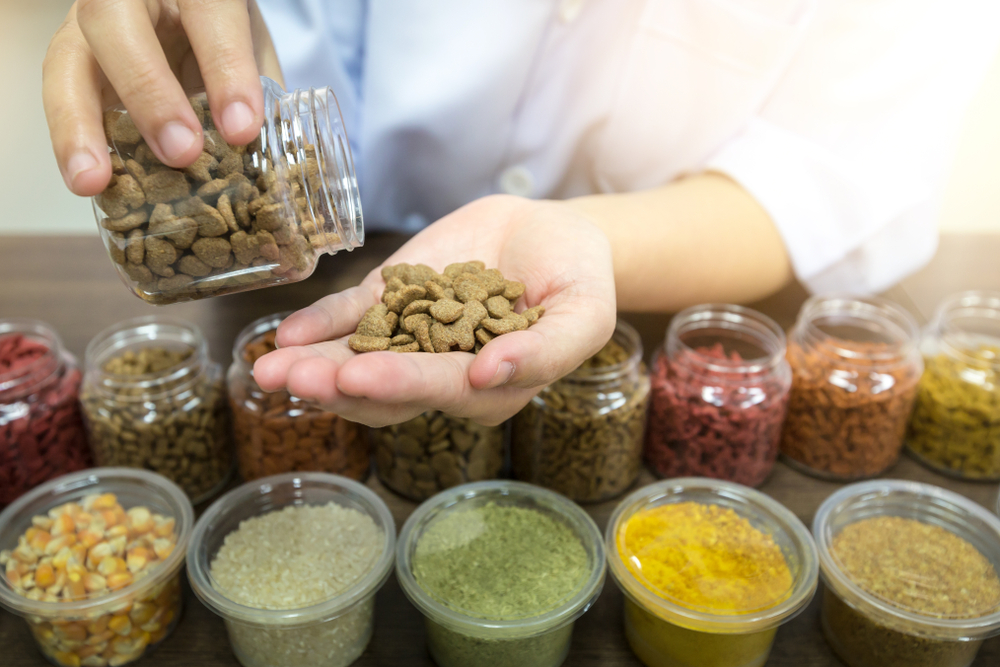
x: 870, y: 631
x: 665, y: 633
x: 75, y: 633
x: 457, y: 639
x: 332, y: 633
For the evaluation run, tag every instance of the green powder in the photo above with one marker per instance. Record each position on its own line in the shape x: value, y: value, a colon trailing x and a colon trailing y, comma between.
x: 500, y: 562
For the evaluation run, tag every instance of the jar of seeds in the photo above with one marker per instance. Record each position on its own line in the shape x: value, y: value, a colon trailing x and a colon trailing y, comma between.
x: 152, y: 399
x: 433, y: 452
x: 582, y: 436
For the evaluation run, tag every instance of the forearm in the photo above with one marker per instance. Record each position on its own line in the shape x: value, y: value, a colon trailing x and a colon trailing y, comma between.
x: 700, y: 239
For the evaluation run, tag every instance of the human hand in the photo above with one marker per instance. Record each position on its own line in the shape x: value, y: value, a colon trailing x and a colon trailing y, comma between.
x: 564, y: 262
x: 145, y: 54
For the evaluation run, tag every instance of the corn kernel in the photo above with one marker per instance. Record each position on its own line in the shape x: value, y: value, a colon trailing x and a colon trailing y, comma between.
x: 108, y: 566
x: 62, y: 558
x: 119, y: 580
x: 165, y: 528
x: 94, y: 582
x: 98, y: 625
x: 74, y: 590
x: 140, y: 519
x: 117, y: 531
x: 109, y: 518
x: 74, y: 570
x: 89, y: 538
x: 64, y: 525
x: 71, y: 631
x: 118, y: 545
x: 98, y: 553
x: 43, y: 522
x: 105, y: 501
x: 101, y: 639
x: 45, y: 575
x: 120, y: 625
x: 162, y: 547
x: 94, y: 661
x: 137, y: 559
x: 66, y: 659
x: 57, y: 544
x: 83, y: 520
x: 142, y: 613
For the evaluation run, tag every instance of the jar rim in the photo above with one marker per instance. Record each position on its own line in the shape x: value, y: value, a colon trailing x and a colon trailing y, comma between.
x: 764, y: 331
x: 572, y: 607
x: 970, y: 302
x: 626, y: 336
x: 879, y: 315
x: 27, y: 378
x: 730, y: 494
x: 251, y: 332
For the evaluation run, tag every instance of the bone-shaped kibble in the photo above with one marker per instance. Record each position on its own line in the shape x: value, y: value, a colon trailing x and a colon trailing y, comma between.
x: 462, y: 332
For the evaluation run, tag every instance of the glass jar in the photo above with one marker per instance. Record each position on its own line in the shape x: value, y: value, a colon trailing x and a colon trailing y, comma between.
x: 955, y: 427
x: 240, y: 217
x: 879, y: 626
x: 41, y: 433
x: 855, y: 368
x: 277, y: 432
x: 435, y: 451
x: 582, y: 435
x: 152, y: 399
x: 720, y: 387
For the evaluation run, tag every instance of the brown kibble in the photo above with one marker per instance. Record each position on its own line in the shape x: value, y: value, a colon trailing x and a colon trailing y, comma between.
x: 498, y: 307
x: 268, y: 246
x: 296, y: 255
x: 226, y: 210
x: 361, y: 343
x: 446, y: 310
x: 418, y: 306
x: 397, y: 301
x: 126, y: 223
x: 532, y: 314
x: 394, y: 285
x: 117, y: 166
x: 116, y: 247
x: 246, y: 247
x: 216, y: 145
x: 403, y: 339
x: 165, y: 186
x: 512, y: 322
x: 270, y: 217
x: 408, y: 347
x: 199, y: 110
x: 135, y: 249
x: 484, y: 336
x: 213, y: 188
x: 242, y: 215
x: 123, y: 130
x: 144, y: 156
x: 161, y: 213
x: 410, y: 274
x: 201, y: 169
x: 492, y: 280
x: 174, y: 283
x: 160, y: 255
x: 376, y: 324
x: 512, y: 290
x: 213, y: 251
x: 284, y: 234
x: 140, y: 273
x: 210, y: 222
x: 122, y: 194
x: 468, y: 288
x: 436, y: 292
x: 193, y: 266
x: 462, y: 332
x: 454, y: 270
x: 179, y: 231
x: 231, y: 164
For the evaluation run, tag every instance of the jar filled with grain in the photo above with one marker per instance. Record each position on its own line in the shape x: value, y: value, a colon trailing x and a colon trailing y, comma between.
x: 276, y: 432
x: 955, y: 427
x: 435, y: 451
x: 855, y: 368
x: 582, y: 436
x: 153, y: 399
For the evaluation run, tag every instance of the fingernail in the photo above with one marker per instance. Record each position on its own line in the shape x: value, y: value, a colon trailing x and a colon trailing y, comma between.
x: 236, y: 118
x: 175, y: 140
x: 79, y: 163
x: 505, y: 371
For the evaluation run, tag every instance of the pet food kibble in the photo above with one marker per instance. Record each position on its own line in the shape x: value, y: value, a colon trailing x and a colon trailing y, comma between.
x: 582, y: 435
x: 276, y: 432
x: 462, y: 308
x: 189, y: 217
x: 41, y: 433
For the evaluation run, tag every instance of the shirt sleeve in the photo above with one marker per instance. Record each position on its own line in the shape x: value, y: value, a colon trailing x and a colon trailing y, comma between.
x: 850, y: 152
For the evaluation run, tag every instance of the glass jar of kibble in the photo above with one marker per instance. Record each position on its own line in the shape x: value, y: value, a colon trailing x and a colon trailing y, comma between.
x: 92, y: 562
x: 582, y: 435
x: 435, y: 451
x: 276, y: 432
x: 501, y: 571
x: 855, y: 368
x: 152, y: 399
x: 41, y: 433
x: 910, y: 573
x: 292, y: 564
x: 720, y: 391
x: 240, y: 217
x: 955, y: 427
x: 709, y: 570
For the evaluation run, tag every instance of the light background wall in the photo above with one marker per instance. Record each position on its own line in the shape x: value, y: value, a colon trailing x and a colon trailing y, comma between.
x: 35, y: 200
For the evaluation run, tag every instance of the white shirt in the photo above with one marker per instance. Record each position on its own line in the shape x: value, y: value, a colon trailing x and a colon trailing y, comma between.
x: 838, y: 116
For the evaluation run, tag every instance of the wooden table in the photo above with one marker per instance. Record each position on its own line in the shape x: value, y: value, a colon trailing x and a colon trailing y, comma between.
x: 68, y: 282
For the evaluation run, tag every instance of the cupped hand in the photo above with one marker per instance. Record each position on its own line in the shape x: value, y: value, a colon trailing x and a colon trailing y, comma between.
x: 564, y: 262
x: 145, y: 53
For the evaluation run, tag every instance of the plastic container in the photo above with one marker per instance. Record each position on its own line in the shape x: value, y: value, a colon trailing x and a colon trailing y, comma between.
x: 67, y: 632
x: 332, y: 633
x: 855, y: 368
x: 720, y: 392
x: 955, y: 427
x: 664, y: 633
x: 239, y: 218
x: 457, y: 639
x: 869, y: 631
x: 41, y: 432
x: 172, y: 420
x: 582, y: 435
x: 276, y: 432
x: 435, y: 451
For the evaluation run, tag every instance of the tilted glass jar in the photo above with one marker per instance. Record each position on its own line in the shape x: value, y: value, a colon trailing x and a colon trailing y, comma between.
x: 41, y: 433
x: 855, y: 367
x: 720, y: 392
x: 276, y: 432
x: 582, y: 435
x: 240, y: 217
x: 153, y: 399
x: 955, y: 427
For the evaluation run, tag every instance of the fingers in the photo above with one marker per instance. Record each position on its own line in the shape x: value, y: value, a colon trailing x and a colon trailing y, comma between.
x: 71, y: 93
x: 331, y: 317
x: 219, y: 32
x: 122, y: 38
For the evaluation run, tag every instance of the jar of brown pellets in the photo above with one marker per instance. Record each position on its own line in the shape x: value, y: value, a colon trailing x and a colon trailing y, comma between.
x: 240, y: 217
x: 582, y: 436
x: 276, y: 432
x: 855, y: 367
x: 153, y: 399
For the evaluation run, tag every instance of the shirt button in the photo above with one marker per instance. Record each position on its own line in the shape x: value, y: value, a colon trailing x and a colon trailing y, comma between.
x: 569, y: 10
x: 517, y: 181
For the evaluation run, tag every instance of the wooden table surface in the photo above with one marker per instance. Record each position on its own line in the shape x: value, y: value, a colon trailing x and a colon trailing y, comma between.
x: 69, y: 283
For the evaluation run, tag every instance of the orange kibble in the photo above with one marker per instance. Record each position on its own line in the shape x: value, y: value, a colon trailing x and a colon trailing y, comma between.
x: 64, y: 525
x: 89, y: 538
x: 105, y: 501
x: 162, y: 547
x: 66, y: 658
x: 119, y: 580
x: 45, y: 575
x: 120, y: 625
x: 94, y: 582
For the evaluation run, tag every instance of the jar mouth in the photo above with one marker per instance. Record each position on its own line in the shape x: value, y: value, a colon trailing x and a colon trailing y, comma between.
x: 912, y: 500
x: 626, y: 336
x: 271, y: 494
x: 751, y: 330
x: 252, y: 332
x: 966, y: 321
x: 142, y: 486
x: 24, y: 380
x: 849, y: 328
x: 518, y: 494
x: 763, y: 512
x: 138, y: 333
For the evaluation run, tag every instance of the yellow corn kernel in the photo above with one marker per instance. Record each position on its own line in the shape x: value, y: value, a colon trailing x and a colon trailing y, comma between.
x: 120, y: 625
x: 108, y: 566
x: 140, y: 637
x: 94, y: 582
x: 64, y: 525
x: 40, y: 540
x: 86, y: 652
x: 142, y: 613
x: 105, y: 501
x: 73, y: 632
x: 164, y: 527
x: 45, y: 575
x: 13, y: 578
x: 24, y: 554
x: 98, y: 553
x: 57, y: 544
x: 137, y: 559
x: 74, y: 570
x: 94, y: 661
x: 35, y: 594
x: 162, y: 547
x: 31, y: 532
x: 140, y: 519
x: 61, y: 559
x: 118, y: 545
x: 60, y: 582
x: 66, y: 658
x: 83, y: 520
x: 89, y: 538
x: 74, y: 590
x: 79, y: 552
x: 120, y: 660
x: 101, y: 639
x: 119, y: 513
x: 121, y: 530
x: 119, y: 580
x: 98, y: 625
x: 43, y: 522
x: 109, y: 518
x: 73, y: 510
x: 28, y: 581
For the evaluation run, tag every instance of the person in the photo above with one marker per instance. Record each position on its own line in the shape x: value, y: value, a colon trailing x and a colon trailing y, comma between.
x: 632, y: 154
